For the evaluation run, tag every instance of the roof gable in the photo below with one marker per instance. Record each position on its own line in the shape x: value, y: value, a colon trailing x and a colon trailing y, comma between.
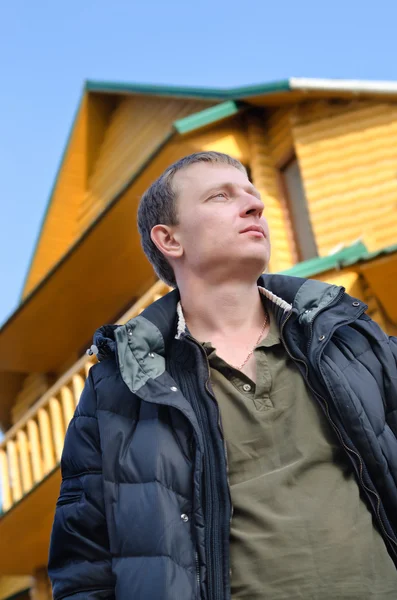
x: 68, y: 198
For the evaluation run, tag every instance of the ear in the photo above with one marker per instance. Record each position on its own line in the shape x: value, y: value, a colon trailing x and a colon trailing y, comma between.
x: 166, y: 240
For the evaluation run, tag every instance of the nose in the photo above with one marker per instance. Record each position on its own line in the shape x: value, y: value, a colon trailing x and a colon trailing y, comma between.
x: 252, y: 206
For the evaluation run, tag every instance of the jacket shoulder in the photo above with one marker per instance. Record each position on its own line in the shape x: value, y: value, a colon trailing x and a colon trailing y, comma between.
x: 111, y: 392
x: 103, y: 369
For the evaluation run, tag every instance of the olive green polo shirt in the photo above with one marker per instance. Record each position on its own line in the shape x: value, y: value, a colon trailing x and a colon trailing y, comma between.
x: 300, y: 528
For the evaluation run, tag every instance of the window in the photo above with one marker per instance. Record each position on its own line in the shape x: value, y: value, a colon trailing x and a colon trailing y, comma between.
x: 294, y: 194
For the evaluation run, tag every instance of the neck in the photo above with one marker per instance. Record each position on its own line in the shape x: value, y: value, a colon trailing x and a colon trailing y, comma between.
x: 223, y: 309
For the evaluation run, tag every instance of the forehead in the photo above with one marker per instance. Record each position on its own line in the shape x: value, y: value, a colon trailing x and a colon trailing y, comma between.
x: 200, y: 177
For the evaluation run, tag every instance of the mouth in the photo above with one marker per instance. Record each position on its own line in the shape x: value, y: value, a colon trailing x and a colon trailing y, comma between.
x: 255, y: 230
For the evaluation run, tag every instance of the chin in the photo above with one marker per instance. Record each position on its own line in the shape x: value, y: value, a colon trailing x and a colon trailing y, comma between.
x: 255, y: 264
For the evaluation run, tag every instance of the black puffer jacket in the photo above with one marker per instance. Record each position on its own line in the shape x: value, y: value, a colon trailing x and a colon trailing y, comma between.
x: 144, y: 508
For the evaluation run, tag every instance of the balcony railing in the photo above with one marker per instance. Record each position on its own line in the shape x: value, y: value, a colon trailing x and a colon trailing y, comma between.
x: 32, y: 448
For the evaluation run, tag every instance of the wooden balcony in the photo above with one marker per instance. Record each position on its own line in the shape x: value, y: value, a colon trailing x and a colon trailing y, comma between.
x: 30, y: 455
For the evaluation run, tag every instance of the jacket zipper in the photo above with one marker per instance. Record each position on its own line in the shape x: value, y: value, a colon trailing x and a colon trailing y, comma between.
x: 216, y: 594
x: 197, y: 573
x: 211, y: 393
x: 350, y: 450
x: 199, y: 417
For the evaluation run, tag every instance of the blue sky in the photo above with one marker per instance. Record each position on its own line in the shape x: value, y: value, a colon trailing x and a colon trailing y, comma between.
x: 48, y: 49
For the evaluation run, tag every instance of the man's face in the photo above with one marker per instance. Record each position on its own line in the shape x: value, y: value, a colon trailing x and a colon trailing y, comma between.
x: 216, y: 204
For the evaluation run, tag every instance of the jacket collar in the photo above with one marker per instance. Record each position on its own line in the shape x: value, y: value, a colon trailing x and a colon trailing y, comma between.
x: 279, y: 303
x: 304, y: 297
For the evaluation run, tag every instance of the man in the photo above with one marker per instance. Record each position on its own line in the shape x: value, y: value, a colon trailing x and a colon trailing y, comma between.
x: 238, y: 438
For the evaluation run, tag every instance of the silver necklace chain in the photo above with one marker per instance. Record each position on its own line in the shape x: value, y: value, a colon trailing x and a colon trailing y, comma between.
x: 256, y: 343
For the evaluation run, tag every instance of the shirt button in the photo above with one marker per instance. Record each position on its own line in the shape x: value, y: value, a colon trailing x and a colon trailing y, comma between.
x: 246, y: 387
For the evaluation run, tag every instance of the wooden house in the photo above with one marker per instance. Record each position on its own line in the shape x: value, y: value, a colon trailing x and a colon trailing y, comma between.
x: 323, y: 154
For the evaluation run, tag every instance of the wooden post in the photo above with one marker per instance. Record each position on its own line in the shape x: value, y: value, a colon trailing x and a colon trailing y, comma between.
x: 57, y: 427
x: 26, y: 471
x: 34, y: 442
x: 46, y: 440
x: 78, y: 386
x: 5, y: 481
x: 67, y: 404
x: 15, y: 476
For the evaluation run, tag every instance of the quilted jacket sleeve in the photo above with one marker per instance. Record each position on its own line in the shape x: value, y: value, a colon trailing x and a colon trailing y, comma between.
x: 393, y: 344
x: 392, y: 415
x: 80, y: 561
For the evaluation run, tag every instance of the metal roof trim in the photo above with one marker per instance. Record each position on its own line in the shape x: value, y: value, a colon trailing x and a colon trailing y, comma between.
x: 346, y: 257
x: 156, y: 90
x: 206, y: 117
x: 235, y: 93
x: 247, y: 91
x: 355, y: 86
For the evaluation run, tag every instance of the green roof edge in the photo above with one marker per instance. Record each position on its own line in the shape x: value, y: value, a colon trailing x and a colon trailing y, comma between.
x: 386, y: 250
x: 283, y: 85
x: 206, y: 117
x: 156, y: 90
x: 346, y: 257
x: 241, y: 92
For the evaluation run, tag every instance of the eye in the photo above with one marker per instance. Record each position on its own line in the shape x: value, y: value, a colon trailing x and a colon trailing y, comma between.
x: 220, y: 195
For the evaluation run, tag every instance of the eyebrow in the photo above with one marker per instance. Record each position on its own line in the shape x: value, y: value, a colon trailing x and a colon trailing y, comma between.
x: 251, y: 189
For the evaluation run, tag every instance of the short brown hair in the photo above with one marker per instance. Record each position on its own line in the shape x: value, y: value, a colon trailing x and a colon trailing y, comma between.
x: 158, y: 206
